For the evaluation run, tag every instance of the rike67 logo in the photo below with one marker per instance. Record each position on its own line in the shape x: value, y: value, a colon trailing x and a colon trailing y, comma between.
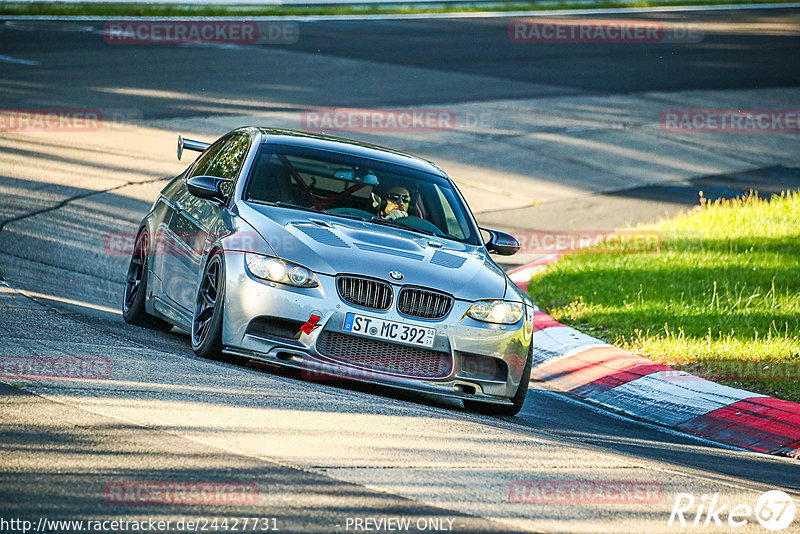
x: 774, y: 510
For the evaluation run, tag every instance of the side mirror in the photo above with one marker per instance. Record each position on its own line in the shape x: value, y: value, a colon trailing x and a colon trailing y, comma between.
x: 207, y: 187
x: 501, y: 242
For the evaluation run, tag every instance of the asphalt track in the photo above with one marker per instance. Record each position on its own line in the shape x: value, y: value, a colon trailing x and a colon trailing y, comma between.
x: 321, y: 453
x: 735, y: 54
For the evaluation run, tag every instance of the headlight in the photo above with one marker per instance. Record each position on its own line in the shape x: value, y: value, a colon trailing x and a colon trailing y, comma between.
x: 496, y: 311
x: 280, y: 271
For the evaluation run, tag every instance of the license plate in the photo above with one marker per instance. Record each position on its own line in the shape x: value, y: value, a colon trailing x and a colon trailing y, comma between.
x: 389, y: 330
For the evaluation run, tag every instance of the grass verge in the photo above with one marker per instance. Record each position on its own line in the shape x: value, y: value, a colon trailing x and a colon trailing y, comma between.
x: 718, y: 297
x: 111, y: 9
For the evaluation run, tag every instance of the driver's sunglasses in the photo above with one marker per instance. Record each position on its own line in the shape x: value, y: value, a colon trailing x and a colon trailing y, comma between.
x: 397, y: 197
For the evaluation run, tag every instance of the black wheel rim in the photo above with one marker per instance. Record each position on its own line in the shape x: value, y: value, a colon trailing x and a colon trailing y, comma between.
x: 133, y: 283
x: 206, y: 303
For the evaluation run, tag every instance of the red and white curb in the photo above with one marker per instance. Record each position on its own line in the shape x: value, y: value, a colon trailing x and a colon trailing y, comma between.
x: 593, y: 370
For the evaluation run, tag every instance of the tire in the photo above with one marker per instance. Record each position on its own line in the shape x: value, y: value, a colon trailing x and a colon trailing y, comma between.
x: 517, y: 400
x: 208, y: 310
x: 133, y: 300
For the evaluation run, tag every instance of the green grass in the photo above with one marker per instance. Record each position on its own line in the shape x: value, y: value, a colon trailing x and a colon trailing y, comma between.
x: 89, y: 9
x: 722, y: 289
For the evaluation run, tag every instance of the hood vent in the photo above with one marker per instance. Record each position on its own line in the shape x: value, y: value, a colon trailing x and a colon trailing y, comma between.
x: 322, y: 235
x: 450, y: 261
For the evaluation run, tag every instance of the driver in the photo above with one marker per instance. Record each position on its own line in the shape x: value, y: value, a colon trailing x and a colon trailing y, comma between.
x: 394, y: 205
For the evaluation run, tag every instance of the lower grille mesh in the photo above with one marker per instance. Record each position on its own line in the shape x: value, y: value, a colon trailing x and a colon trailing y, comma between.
x: 386, y: 357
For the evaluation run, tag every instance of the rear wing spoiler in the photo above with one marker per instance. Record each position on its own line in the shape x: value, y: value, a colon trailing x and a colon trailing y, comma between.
x: 188, y: 144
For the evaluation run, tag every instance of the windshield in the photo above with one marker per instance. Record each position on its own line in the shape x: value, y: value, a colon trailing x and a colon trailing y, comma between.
x: 349, y: 186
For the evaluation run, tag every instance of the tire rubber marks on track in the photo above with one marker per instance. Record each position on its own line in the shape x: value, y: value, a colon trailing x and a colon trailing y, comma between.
x: 18, y: 61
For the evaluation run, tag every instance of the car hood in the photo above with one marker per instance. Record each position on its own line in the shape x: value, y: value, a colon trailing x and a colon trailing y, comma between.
x: 334, y: 245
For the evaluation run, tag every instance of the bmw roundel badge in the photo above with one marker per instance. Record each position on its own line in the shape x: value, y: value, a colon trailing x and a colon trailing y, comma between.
x: 396, y: 275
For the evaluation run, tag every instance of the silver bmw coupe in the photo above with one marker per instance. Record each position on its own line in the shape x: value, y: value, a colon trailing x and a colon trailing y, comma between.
x: 342, y: 259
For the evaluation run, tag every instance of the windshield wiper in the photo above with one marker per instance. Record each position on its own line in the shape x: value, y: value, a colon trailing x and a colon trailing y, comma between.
x: 345, y: 216
x: 378, y: 220
x: 283, y: 204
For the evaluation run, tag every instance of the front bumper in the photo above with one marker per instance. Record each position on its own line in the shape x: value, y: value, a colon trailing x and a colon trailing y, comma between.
x: 486, y: 361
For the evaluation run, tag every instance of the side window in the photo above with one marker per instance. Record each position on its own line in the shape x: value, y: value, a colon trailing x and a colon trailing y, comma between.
x: 201, y: 210
x: 205, y: 159
x: 455, y: 227
x: 229, y: 160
